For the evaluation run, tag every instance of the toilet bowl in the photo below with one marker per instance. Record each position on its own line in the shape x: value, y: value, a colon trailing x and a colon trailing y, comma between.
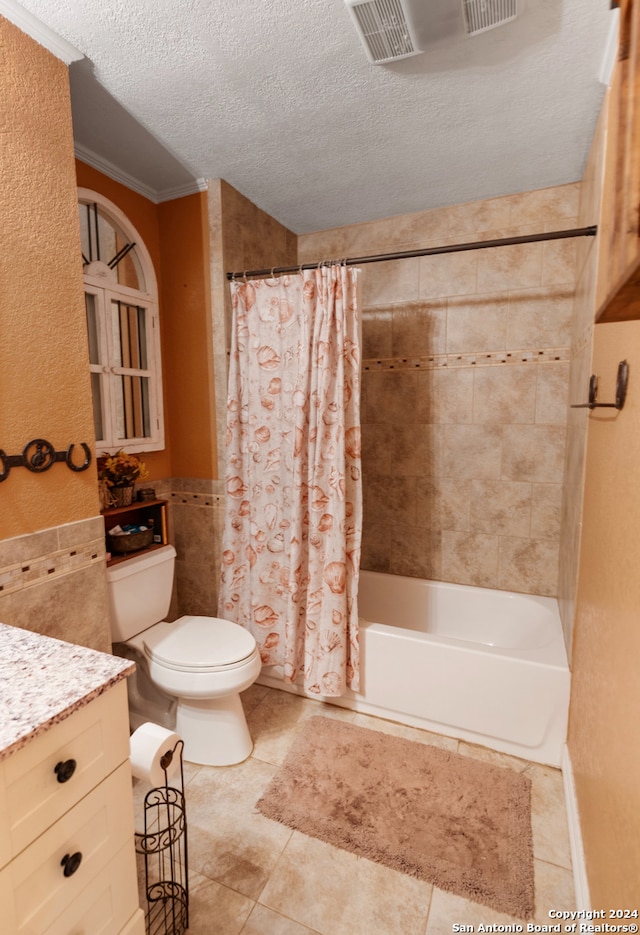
x: 202, y: 662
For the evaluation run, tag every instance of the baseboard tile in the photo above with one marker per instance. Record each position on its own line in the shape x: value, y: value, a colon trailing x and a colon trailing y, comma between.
x: 580, y: 882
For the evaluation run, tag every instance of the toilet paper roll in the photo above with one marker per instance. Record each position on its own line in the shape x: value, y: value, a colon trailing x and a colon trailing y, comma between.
x: 149, y: 743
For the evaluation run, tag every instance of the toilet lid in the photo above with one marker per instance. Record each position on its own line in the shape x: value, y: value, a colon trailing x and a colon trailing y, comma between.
x: 199, y: 643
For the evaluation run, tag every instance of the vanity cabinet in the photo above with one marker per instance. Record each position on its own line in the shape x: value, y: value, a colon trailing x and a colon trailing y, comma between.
x: 140, y: 513
x: 67, y: 854
x: 618, y: 286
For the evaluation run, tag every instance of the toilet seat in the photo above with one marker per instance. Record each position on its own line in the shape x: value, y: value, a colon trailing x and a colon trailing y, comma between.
x: 197, y: 644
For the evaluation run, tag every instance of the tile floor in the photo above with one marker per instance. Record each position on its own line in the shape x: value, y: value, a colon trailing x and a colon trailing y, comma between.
x: 252, y: 876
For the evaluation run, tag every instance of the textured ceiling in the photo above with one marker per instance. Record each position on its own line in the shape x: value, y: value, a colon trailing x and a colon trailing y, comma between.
x: 278, y: 98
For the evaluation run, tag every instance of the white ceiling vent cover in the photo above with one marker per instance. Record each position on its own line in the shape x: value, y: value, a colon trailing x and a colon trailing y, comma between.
x: 384, y: 28
x: 480, y: 15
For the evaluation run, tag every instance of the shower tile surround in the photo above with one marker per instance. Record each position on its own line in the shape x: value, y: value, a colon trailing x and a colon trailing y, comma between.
x: 465, y: 390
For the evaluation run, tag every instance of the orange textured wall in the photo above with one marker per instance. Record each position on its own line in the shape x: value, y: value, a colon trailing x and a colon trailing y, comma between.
x: 605, y: 703
x: 44, y: 380
x: 190, y: 404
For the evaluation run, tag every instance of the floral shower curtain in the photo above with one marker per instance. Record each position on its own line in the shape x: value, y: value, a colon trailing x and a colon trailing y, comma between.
x: 291, y: 544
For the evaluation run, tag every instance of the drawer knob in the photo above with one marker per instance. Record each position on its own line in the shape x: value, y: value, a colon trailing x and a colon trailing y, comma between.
x: 71, y: 862
x: 65, y: 770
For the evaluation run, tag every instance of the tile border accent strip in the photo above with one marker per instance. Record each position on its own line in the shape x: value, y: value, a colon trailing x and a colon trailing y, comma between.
x: 53, y: 565
x: 490, y: 359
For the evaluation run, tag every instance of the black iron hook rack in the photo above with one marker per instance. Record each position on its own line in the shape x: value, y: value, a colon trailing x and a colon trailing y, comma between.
x: 622, y: 383
x: 39, y: 455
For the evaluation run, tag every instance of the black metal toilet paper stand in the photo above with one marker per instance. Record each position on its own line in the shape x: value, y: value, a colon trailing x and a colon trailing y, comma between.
x: 163, y: 845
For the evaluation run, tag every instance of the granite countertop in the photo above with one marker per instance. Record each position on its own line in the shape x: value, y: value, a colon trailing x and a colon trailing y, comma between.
x: 44, y: 680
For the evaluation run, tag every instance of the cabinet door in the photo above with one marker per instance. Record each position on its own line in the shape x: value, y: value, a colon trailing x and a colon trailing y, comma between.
x: 49, y: 876
x: 106, y: 906
x: 95, y: 738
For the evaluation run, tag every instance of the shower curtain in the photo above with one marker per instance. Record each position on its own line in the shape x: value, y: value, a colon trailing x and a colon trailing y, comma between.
x: 293, y: 524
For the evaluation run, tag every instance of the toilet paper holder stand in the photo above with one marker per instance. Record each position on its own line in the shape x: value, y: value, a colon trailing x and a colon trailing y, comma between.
x: 163, y: 845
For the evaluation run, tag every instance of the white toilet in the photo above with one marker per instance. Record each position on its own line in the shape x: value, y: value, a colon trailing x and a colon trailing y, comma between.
x: 203, y: 662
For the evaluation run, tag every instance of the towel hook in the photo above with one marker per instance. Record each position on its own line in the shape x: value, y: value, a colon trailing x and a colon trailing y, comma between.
x: 622, y: 383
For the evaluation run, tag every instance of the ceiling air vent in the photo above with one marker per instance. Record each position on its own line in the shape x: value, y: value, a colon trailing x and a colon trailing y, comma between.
x: 384, y: 28
x: 480, y: 15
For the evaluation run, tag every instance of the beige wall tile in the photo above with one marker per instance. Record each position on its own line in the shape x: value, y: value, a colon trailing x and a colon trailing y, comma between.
x: 552, y: 392
x: 390, y: 396
x: 533, y: 452
x: 504, y: 394
x: 390, y: 500
x: 443, y: 502
x: 395, y: 281
x: 529, y: 566
x: 473, y: 451
x: 419, y: 330
x: 500, y: 508
x: 445, y: 395
x: 477, y: 217
x: 517, y: 267
x: 539, y: 317
x: 470, y: 558
x: 546, y: 206
x: 416, y: 450
x: 377, y: 452
x: 559, y: 262
x: 448, y: 274
x: 72, y: 607
x: 477, y: 323
x: 376, y: 332
x: 546, y: 504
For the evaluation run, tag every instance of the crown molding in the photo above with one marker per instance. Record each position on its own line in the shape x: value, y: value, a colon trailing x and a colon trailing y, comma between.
x: 108, y: 168
x: 180, y: 191
x: 35, y: 28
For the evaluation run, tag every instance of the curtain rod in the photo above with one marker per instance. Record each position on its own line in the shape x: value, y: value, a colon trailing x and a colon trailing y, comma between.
x: 427, y: 251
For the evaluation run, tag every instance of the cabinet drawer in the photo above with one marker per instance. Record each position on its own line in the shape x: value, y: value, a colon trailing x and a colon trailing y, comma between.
x: 33, y: 888
x: 32, y: 796
x: 107, y: 903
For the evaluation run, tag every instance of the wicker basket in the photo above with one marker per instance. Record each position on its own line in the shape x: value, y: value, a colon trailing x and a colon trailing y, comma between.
x: 131, y: 542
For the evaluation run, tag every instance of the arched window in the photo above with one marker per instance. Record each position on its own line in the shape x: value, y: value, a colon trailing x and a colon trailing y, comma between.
x: 122, y: 326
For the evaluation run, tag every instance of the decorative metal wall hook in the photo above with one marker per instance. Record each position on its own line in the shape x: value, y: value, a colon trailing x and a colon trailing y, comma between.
x: 39, y: 455
x: 622, y: 382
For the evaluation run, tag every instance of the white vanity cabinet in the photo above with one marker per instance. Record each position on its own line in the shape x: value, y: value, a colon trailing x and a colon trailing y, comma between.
x: 67, y: 855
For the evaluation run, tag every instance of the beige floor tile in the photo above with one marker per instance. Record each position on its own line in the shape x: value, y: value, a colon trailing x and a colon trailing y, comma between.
x: 215, y: 908
x: 448, y: 910
x: 273, y: 721
x: 554, y: 890
x: 337, y: 893
x: 229, y: 841
x: 253, y: 696
x: 492, y: 756
x: 548, y: 816
x: 263, y: 921
x: 407, y: 733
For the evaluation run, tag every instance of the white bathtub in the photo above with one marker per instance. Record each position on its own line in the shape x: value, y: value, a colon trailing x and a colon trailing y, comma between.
x: 485, y: 666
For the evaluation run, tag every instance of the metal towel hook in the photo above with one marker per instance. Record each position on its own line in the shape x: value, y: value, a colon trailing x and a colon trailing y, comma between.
x: 622, y: 383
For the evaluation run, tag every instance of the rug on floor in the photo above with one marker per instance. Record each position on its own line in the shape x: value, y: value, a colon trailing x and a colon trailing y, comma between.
x: 459, y: 823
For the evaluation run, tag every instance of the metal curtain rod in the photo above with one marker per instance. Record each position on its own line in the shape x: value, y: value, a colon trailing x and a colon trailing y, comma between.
x: 427, y: 251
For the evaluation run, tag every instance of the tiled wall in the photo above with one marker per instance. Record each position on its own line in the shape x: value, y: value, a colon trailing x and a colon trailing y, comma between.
x: 196, y: 516
x: 465, y: 390
x: 53, y: 582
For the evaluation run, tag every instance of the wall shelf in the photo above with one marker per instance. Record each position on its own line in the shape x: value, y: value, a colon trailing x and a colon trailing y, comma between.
x: 140, y: 512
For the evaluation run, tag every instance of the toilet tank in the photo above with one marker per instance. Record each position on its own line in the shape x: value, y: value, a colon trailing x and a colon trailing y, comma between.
x: 140, y: 592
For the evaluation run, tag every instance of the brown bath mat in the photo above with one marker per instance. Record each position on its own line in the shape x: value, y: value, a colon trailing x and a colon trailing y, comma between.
x: 453, y: 821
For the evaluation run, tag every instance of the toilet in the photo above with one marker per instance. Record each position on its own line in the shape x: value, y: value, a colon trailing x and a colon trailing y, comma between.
x: 201, y: 662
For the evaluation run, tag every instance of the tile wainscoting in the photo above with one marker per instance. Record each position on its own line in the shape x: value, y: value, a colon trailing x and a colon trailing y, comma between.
x: 53, y: 582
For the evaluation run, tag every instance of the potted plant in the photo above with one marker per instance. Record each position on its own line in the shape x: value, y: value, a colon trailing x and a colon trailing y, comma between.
x: 118, y: 473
